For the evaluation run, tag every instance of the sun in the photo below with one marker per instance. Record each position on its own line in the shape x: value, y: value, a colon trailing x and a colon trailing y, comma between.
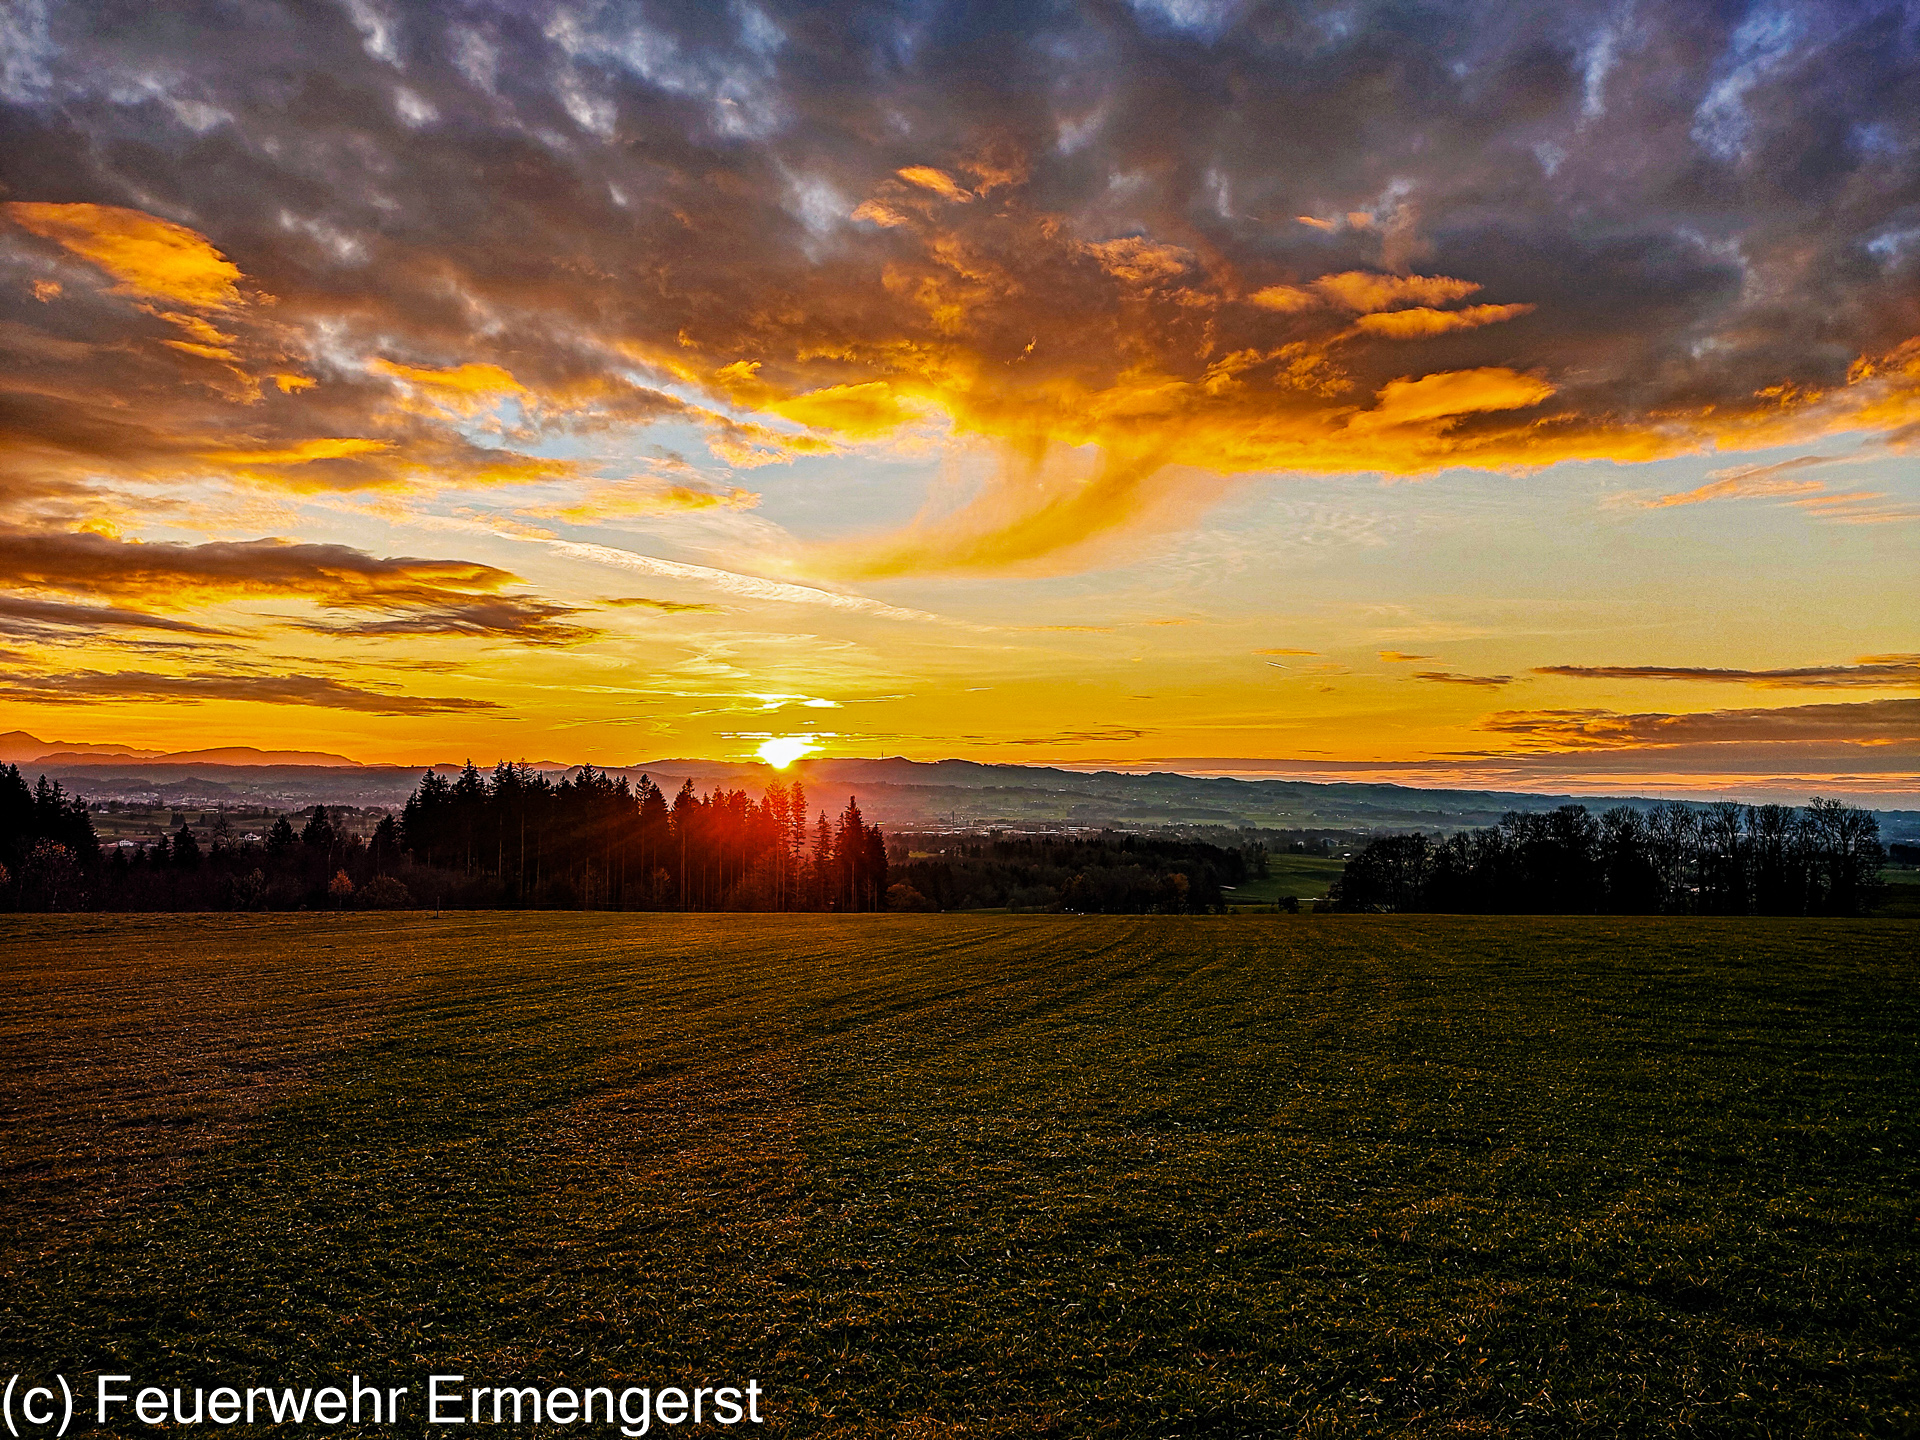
x: 783, y: 750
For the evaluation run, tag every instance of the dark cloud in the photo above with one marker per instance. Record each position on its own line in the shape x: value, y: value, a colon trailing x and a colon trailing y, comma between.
x: 332, y: 575
x: 1097, y: 734
x: 405, y: 595
x: 1878, y: 672
x: 93, y: 687
x: 24, y: 615
x: 1449, y: 677
x: 1068, y: 219
x: 525, y: 622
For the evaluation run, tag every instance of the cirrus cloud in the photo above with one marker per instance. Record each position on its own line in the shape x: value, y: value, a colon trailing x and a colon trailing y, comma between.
x: 1881, y: 732
x: 1882, y: 672
x: 94, y: 687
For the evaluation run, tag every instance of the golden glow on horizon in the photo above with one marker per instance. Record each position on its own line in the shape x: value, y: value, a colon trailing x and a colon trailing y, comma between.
x: 783, y: 750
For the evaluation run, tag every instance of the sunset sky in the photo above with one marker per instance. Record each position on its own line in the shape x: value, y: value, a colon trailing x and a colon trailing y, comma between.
x: 1501, y: 394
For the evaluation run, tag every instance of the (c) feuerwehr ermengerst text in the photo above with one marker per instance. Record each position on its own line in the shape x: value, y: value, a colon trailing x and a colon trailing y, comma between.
x: 448, y: 1400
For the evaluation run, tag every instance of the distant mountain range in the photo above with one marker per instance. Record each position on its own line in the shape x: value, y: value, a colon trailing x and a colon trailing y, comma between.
x: 893, y: 792
x: 17, y: 747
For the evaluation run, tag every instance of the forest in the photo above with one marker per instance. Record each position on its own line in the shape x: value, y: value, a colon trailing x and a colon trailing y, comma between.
x: 1674, y: 859
x: 510, y: 839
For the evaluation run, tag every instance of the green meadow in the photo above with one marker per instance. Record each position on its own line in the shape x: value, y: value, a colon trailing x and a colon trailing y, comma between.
x: 1303, y: 877
x: 927, y: 1176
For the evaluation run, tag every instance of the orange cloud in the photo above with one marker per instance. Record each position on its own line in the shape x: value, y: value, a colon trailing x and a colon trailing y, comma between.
x: 1903, y: 360
x: 473, y: 378
x: 1418, y: 324
x: 1856, y: 507
x: 1450, y: 394
x: 1139, y: 261
x: 1036, y: 507
x: 1774, y: 482
x: 205, y: 352
x: 938, y: 181
x: 878, y: 213
x: 1366, y: 292
x: 1287, y: 299
x: 857, y: 411
x: 1371, y: 295
x: 623, y: 501
x: 150, y: 257
x: 462, y: 390
x: 207, y: 335
x: 303, y: 453
x: 748, y: 447
x: 669, y: 607
x: 1029, y: 512
x: 1755, y: 482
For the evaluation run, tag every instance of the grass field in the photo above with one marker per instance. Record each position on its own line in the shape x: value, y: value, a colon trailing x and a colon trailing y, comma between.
x: 1903, y: 892
x: 1304, y: 877
x: 984, y: 1176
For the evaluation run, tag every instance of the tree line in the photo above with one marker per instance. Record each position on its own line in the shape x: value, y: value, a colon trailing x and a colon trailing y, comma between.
x: 513, y: 838
x: 517, y: 837
x: 47, y: 842
x: 1108, y: 873
x: 1673, y: 859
